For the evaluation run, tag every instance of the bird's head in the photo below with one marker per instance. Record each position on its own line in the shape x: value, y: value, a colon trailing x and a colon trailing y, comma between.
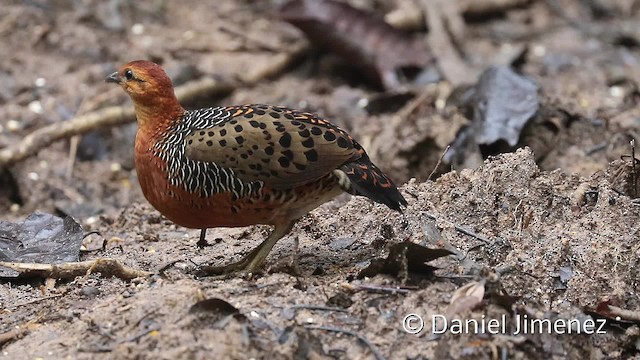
x: 142, y: 79
x: 150, y: 89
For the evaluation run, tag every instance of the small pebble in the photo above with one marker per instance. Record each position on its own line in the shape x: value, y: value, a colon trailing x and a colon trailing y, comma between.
x: 36, y: 107
x: 616, y: 91
x: 539, y: 50
x: 137, y: 29
x: 188, y: 35
x: 90, y: 291
x: 115, y: 167
x: 13, y: 125
x: 40, y: 82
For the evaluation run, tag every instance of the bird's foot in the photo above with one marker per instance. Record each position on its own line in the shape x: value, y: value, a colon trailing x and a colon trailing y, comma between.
x: 242, y: 268
x: 249, y: 266
x: 203, y: 243
x: 288, y: 264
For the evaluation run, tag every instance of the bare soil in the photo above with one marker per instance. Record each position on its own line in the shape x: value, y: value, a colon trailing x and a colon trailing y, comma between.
x: 551, y: 229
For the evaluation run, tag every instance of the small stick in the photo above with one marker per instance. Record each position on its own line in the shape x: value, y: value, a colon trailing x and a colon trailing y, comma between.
x: 75, y: 142
x: 462, y: 230
x: 439, y: 162
x: 318, y: 307
x: 400, y: 290
x: 38, y: 300
x: 624, y: 314
x: 73, y: 153
x: 362, y: 339
x: 634, y: 178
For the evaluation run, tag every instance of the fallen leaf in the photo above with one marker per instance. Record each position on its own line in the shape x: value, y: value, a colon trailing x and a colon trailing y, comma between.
x: 466, y: 297
x: 403, y: 258
x: 500, y: 105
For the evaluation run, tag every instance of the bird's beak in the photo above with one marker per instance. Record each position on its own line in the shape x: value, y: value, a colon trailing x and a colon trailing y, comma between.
x: 113, y: 78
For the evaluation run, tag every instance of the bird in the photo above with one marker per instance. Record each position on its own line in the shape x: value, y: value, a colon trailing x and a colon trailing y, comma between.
x: 241, y: 165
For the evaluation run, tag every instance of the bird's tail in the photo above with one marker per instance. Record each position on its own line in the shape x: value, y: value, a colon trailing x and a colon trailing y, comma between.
x: 366, y: 179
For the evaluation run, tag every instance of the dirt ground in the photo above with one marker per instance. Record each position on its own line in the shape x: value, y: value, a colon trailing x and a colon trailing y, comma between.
x: 547, y: 231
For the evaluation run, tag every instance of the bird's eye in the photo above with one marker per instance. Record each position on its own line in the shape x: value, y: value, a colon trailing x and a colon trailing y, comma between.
x: 128, y: 74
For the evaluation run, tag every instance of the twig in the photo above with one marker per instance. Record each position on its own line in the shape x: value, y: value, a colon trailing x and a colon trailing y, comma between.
x: 634, y: 177
x: 73, y: 154
x: 47, y: 135
x: 383, y: 289
x: 106, y: 266
x: 168, y: 265
x: 439, y: 162
x: 291, y: 311
x: 75, y: 141
x: 39, y: 299
x: 317, y: 307
x: 624, y: 314
x: 596, y: 148
x: 362, y: 339
x: 462, y: 230
x: 12, y: 334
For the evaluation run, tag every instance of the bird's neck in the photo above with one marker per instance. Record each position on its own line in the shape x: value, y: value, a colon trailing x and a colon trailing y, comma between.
x: 157, y: 114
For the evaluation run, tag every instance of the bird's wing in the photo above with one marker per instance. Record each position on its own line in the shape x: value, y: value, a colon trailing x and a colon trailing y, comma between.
x: 281, y: 147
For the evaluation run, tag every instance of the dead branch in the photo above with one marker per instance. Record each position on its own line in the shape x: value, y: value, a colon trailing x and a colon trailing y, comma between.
x: 446, y: 27
x: 106, y: 267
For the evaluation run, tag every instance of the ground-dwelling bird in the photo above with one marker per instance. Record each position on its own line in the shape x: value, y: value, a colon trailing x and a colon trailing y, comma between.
x: 241, y: 165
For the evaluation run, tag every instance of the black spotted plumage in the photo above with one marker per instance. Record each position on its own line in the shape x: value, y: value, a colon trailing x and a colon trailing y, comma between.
x: 305, y: 146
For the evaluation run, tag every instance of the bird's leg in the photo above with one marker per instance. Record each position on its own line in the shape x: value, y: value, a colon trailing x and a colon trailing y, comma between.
x: 253, y: 261
x: 202, y: 242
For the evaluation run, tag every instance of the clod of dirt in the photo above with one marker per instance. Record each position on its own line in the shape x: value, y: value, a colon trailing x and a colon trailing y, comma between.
x: 40, y: 238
